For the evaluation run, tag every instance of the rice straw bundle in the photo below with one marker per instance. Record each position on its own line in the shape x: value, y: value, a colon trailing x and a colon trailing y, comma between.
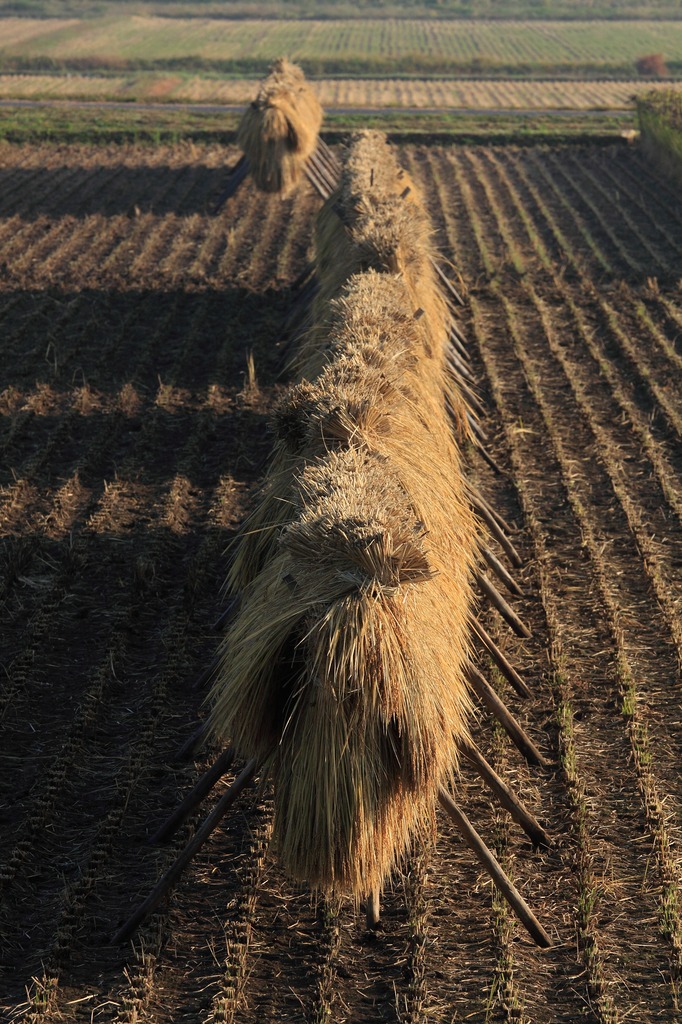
x: 347, y: 659
x: 279, y: 130
x: 345, y: 674
x: 375, y: 221
x: 372, y: 321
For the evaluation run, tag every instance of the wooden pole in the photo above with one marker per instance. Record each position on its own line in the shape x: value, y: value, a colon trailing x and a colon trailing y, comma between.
x: 447, y: 284
x: 192, y: 848
x: 203, y: 677
x: 499, y: 710
x: 496, y: 530
x: 507, y: 797
x: 237, y: 175
x: 488, y: 861
x: 495, y: 466
x: 501, y: 573
x: 373, y: 909
x: 498, y: 602
x: 227, y: 613
x: 315, y: 181
x: 505, y: 666
x: 457, y: 342
x: 502, y: 523
x: 201, y: 789
x: 191, y: 744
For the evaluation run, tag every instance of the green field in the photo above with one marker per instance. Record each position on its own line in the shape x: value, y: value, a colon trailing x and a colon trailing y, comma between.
x: 339, y: 46
x: 536, y: 9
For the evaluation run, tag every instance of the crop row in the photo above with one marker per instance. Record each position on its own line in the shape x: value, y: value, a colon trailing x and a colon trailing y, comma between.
x: 385, y: 92
x: 133, y: 438
x: 529, y: 43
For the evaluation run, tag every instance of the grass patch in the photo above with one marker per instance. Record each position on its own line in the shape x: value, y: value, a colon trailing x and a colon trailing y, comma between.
x: 660, y: 122
x: 130, y: 123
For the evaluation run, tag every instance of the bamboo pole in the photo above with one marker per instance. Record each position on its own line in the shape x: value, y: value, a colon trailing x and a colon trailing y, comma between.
x: 237, y: 175
x: 315, y: 181
x: 498, y: 602
x: 490, y: 700
x: 505, y: 794
x: 226, y: 614
x: 457, y: 341
x: 191, y: 744
x: 503, y: 524
x: 492, y: 866
x: 498, y: 533
x: 373, y: 909
x: 458, y: 364
x: 447, y: 283
x: 200, y: 790
x: 505, y: 666
x: 192, y: 848
x: 501, y: 573
x: 203, y: 677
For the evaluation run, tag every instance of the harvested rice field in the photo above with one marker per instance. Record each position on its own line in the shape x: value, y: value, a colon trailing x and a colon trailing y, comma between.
x: 142, y: 349
x: 479, y: 94
x: 405, y: 43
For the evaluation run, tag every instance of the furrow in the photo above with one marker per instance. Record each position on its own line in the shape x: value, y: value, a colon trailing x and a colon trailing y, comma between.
x: 569, y: 226
x: 620, y: 450
x: 617, y: 910
x: 643, y: 201
x: 572, y: 195
x: 628, y: 223
x: 657, y: 439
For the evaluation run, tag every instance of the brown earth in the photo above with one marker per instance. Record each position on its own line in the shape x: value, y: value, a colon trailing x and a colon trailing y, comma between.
x: 133, y: 439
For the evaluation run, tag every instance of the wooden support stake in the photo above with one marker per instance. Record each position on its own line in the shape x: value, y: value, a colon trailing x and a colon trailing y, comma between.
x: 457, y: 342
x: 201, y: 789
x: 328, y: 179
x: 227, y: 613
x: 326, y: 152
x: 373, y: 909
x: 486, y: 514
x: 237, y: 175
x: 498, y: 602
x: 501, y: 573
x: 190, y: 745
x: 472, y: 400
x: 203, y: 677
x: 192, y: 848
x: 491, y: 461
x: 303, y: 277
x: 315, y: 181
x: 503, y: 524
x: 492, y: 866
x: 458, y: 364
x: 505, y: 666
x: 448, y: 286
x: 476, y: 428
x: 517, y: 734
x: 507, y: 797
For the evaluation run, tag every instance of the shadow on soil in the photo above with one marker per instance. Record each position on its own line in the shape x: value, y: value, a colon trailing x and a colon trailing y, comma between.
x: 80, y: 191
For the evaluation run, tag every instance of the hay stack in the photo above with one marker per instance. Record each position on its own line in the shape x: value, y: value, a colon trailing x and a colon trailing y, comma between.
x: 344, y: 672
x: 279, y: 130
x: 373, y: 322
x: 375, y: 222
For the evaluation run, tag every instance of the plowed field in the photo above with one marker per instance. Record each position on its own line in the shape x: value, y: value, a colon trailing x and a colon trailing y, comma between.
x: 133, y: 437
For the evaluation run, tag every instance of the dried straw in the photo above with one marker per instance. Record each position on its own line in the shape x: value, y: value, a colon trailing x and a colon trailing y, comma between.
x: 349, y: 655
x: 346, y: 660
x: 279, y: 130
x: 370, y: 224
x: 345, y: 670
